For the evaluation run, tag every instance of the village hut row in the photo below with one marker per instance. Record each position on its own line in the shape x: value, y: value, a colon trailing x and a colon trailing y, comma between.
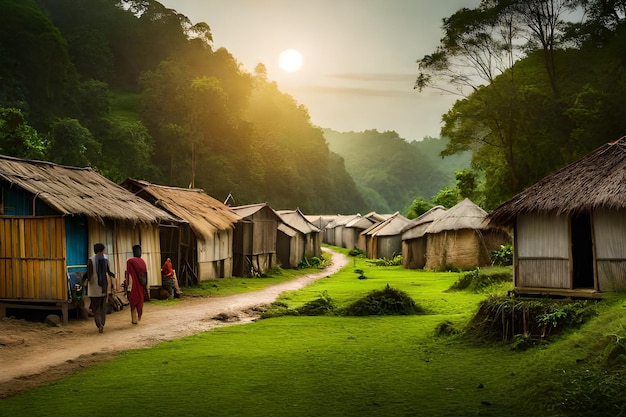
x: 52, y: 215
x: 439, y: 239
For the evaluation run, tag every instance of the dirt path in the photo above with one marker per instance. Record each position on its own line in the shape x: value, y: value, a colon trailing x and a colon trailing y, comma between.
x: 34, y: 353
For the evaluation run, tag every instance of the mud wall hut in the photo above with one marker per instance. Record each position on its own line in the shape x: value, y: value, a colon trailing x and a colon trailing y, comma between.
x: 414, y: 238
x: 570, y: 227
x: 254, y: 241
x: 460, y: 239
x: 200, y: 245
x: 50, y: 218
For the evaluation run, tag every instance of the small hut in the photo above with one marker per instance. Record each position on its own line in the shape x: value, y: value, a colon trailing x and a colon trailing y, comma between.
x: 570, y: 227
x: 254, y: 241
x: 201, y: 244
x: 414, y: 238
x: 297, y: 238
x: 353, y: 229
x: 460, y: 239
x: 384, y: 239
x: 50, y: 218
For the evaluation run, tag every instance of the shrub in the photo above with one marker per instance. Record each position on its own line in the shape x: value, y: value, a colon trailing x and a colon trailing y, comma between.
x: 446, y: 329
x: 356, y: 252
x: 323, y: 305
x: 397, y: 260
x: 389, y: 301
x: 502, y: 256
x: 504, y: 318
x: 479, y: 280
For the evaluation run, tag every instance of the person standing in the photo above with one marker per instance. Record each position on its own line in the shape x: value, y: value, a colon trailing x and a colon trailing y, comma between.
x: 136, y: 282
x: 98, y: 284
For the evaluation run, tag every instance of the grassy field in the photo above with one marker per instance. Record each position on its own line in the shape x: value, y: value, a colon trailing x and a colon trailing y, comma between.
x: 352, y: 366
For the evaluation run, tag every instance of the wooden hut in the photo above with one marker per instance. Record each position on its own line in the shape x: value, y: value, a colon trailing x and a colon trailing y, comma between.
x: 201, y: 244
x: 297, y: 238
x: 570, y: 227
x: 414, y: 238
x: 353, y: 229
x: 50, y: 218
x: 384, y: 239
x: 459, y: 238
x: 254, y: 241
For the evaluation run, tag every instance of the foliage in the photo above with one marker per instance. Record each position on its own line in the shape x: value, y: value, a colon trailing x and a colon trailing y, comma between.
x: 505, y: 318
x: 313, y: 262
x: 389, y: 301
x: 323, y: 305
x: 17, y: 137
x: 479, y: 280
x: 418, y: 207
x: 356, y: 252
x: 395, y: 261
x: 382, y: 161
x: 503, y: 256
x: 447, y: 197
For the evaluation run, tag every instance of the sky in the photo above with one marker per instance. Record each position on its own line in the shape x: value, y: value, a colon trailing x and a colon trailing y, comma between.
x: 358, y: 56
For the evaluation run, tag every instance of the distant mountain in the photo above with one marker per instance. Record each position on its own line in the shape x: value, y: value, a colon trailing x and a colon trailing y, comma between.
x: 389, y: 171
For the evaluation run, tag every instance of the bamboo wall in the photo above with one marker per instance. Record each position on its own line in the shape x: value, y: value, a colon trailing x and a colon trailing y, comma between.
x: 542, y: 250
x: 32, y: 258
x: 610, y: 249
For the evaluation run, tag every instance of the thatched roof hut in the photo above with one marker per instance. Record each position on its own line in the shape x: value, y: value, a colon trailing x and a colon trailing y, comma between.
x: 50, y: 218
x: 414, y: 238
x: 570, y: 227
x: 459, y: 238
x: 201, y: 246
x: 254, y: 242
x: 297, y: 238
x: 384, y: 239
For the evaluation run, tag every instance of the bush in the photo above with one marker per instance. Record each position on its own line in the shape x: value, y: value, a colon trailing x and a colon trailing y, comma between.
x: 356, y: 252
x: 389, y: 301
x: 502, y: 256
x: 324, y: 305
x: 479, y: 280
x: 506, y: 318
x: 397, y: 260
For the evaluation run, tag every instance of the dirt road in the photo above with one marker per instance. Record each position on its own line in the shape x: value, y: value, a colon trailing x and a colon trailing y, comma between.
x: 34, y: 353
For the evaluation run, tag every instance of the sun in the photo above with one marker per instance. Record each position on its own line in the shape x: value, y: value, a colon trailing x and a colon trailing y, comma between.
x: 290, y: 60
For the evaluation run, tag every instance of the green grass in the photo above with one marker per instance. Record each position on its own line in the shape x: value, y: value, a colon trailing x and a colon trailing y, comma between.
x: 348, y: 366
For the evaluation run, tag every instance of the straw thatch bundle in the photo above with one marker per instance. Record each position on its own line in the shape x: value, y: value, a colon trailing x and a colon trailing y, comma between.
x: 78, y: 191
x: 205, y: 214
x: 598, y: 180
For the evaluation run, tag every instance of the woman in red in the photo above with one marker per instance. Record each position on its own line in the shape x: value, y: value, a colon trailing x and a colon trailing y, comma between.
x: 135, y: 268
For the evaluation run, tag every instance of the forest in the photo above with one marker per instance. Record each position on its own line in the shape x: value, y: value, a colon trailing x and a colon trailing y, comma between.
x: 134, y: 89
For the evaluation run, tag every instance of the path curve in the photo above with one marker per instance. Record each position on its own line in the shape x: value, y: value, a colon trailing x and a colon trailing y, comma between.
x: 43, y: 353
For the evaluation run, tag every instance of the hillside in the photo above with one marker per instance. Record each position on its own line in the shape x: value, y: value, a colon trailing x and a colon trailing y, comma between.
x: 389, y: 171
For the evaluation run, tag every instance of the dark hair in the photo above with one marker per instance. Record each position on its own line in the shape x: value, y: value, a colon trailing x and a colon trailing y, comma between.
x: 137, y: 251
x: 98, y: 247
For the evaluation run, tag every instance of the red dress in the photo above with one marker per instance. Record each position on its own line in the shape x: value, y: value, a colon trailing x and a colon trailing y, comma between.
x: 135, y: 267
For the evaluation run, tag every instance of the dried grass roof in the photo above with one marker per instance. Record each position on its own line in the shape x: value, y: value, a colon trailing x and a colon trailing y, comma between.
x: 464, y: 215
x: 78, y: 191
x: 416, y: 228
x: 596, y: 181
x: 390, y: 227
x: 205, y: 214
x: 298, y: 221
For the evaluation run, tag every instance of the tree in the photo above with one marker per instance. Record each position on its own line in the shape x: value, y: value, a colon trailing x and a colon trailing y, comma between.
x: 418, y: 207
x: 17, y: 138
x: 72, y: 144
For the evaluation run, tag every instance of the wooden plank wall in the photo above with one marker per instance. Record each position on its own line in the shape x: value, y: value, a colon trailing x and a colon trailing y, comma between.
x: 32, y: 258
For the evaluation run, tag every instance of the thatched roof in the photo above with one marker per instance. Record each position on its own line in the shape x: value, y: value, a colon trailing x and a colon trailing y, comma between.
x: 390, y: 227
x: 416, y: 228
x: 464, y: 215
x: 78, y: 191
x: 298, y: 221
x: 205, y: 214
x: 596, y: 181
